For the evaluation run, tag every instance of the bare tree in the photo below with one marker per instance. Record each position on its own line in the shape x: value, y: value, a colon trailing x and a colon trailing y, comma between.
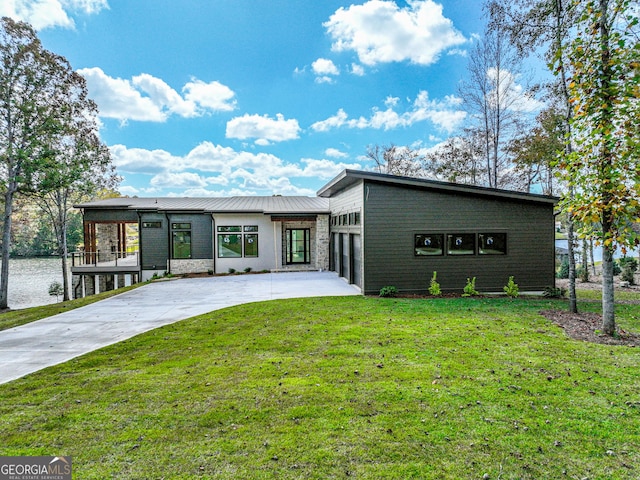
x: 492, y: 97
x: 396, y: 160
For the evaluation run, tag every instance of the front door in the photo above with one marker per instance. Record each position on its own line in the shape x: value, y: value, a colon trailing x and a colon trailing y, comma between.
x: 298, y: 245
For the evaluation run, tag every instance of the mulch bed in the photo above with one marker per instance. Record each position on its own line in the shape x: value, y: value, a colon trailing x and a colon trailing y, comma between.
x: 583, y: 326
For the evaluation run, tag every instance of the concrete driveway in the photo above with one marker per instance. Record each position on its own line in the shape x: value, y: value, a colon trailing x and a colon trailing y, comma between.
x: 56, y: 339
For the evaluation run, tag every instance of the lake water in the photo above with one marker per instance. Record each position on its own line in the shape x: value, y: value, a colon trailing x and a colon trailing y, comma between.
x: 29, y: 281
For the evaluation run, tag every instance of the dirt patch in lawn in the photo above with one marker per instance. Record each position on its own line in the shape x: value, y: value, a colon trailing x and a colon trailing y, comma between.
x: 585, y: 327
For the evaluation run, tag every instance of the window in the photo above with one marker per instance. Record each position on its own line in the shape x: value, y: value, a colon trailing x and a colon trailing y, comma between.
x: 233, y: 228
x: 429, y: 244
x: 181, y: 240
x: 237, y: 245
x: 251, y: 245
x: 151, y: 224
x: 298, y: 245
x: 492, y: 243
x: 230, y: 245
x: 461, y: 244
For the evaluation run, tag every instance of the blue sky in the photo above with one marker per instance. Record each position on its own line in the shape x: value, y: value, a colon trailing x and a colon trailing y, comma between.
x: 256, y: 97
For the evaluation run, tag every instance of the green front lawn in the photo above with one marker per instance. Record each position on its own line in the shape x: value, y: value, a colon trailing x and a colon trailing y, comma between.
x: 453, y: 388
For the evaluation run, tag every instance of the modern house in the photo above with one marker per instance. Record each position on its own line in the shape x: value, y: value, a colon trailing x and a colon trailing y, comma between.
x: 372, y: 229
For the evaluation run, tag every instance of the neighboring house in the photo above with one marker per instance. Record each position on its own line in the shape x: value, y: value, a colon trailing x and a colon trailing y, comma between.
x: 373, y: 229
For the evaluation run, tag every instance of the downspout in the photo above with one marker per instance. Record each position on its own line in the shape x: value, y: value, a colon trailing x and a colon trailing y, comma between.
x: 139, y: 246
x: 213, y: 243
x: 166, y: 214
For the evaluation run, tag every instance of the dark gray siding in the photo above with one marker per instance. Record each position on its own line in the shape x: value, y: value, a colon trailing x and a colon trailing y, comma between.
x: 201, y: 233
x: 110, y: 216
x: 154, y: 243
x: 393, y: 215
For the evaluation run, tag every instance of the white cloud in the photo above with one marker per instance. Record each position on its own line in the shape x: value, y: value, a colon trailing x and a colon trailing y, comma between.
x: 323, y: 66
x: 213, y: 96
x: 150, y: 99
x: 335, y: 153
x: 445, y: 114
x: 263, y: 128
x: 512, y: 95
x: 49, y: 13
x: 208, y: 164
x: 357, y: 69
x: 379, y: 31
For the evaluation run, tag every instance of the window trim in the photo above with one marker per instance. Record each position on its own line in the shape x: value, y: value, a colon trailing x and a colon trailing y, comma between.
x: 504, y: 251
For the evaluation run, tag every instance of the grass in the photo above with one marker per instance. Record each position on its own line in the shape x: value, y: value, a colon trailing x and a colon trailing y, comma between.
x: 15, y: 318
x: 449, y: 388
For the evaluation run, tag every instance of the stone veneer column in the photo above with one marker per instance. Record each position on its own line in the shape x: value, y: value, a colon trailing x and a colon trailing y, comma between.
x: 322, y: 242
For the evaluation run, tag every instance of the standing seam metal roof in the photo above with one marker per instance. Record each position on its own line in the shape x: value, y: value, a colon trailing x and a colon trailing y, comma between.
x: 268, y: 205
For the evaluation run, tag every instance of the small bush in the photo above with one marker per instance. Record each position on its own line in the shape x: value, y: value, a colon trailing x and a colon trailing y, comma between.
x: 511, y: 288
x: 247, y: 270
x: 554, y: 292
x: 388, y: 291
x: 563, y: 271
x: 232, y: 271
x: 470, y: 288
x: 629, y: 265
x: 210, y: 271
x: 616, y: 268
x: 434, y: 286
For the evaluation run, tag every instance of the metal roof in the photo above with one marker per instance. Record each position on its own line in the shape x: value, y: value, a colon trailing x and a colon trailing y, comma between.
x: 274, y: 205
x: 350, y: 177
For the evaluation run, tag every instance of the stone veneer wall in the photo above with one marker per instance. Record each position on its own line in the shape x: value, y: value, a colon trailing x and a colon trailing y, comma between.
x: 322, y: 242
x: 106, y: 240
x: 182, y: 266
x: 319, y: 240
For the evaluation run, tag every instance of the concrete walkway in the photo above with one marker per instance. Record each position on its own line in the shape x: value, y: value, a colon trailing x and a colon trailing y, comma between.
x: 56, y: 339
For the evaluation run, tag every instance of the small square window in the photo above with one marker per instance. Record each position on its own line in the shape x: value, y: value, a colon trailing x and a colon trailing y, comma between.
x: 426, y: 244
x: 492, y: 243
x: 251, y: 228
x: 461, y: 244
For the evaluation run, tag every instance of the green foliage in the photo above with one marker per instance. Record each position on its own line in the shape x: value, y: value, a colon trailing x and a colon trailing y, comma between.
x: 511, y: 288
x: 629, y: 265
x: 231, y: 271
x: 563, y: 271
x: 470, y: 288
x: 434, y: 286
x: 247, y: 270
x: 388, y: 291
x: 56, y: 289
x: 554, y: 292
x: 616, y: 268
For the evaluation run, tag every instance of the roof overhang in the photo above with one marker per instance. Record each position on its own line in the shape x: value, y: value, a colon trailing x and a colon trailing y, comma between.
x: 349, y: 178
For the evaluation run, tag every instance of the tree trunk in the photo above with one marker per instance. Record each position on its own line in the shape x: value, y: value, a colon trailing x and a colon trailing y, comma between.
x: 6, y: 249
x: 573, y: 300
x: 608, y: 310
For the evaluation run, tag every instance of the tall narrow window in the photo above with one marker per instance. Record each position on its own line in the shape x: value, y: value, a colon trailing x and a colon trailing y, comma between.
x: 181, y: 240
x: 298, y: 245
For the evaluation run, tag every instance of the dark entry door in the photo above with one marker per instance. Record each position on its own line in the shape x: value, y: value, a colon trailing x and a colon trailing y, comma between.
x: 298, y: 245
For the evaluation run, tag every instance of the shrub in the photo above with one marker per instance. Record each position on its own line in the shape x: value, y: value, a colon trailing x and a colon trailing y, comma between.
x: 210, y: 271
x: 616, y: 268
x: 232, y: 271
x: 554, y: 292
x: 247, y: 270
x: 511, y: 288
x: 434, y: 286
x: 563, y: 271
x: 470, y: 288
x: 388, y: 291
x: 629, y: 265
